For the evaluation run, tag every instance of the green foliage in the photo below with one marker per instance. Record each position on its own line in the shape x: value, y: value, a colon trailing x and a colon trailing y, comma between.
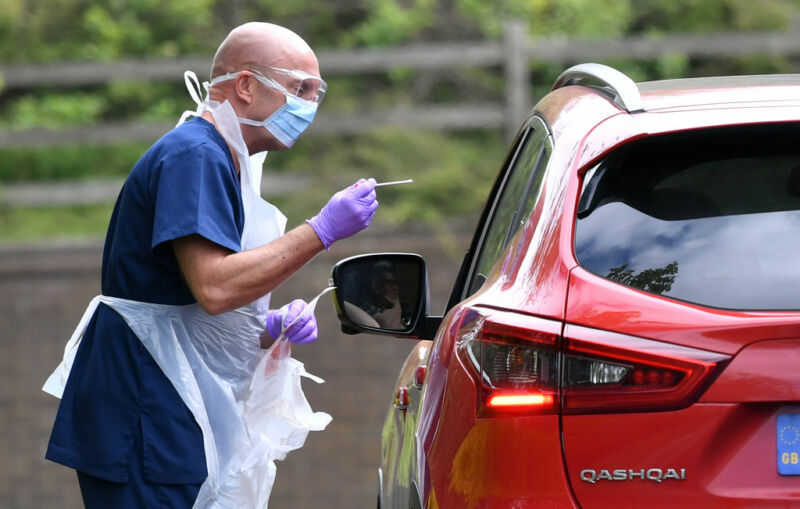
x: 391, y: 22
x: 52, y: 223
x: 452, y: 174
x: 581, y: 18
x: 120, y: 101
x: 48, y: 30
x: 53, y: 111
x: 126, y: 99
x: 654, y: 16
x: 70, y: 162
x: 452, y: 171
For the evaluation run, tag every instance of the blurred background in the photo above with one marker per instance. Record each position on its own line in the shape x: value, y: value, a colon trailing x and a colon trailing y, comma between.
x: 426, y: 89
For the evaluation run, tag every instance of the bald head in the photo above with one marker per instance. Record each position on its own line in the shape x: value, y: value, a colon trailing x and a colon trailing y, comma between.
x: 255, y: 45
x: 260, y: 48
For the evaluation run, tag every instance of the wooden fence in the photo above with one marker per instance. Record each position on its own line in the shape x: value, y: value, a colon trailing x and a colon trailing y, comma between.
x: 513, y: 54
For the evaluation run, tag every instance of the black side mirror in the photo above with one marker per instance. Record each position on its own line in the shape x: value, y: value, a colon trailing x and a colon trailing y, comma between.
x: 385, y: 293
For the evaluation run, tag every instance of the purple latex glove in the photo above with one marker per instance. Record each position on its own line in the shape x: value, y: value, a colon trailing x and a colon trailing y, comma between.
x: 347, y: 212
x: 302, y: 332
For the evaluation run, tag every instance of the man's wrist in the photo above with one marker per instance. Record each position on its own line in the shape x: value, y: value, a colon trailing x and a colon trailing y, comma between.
x: 315, y: 225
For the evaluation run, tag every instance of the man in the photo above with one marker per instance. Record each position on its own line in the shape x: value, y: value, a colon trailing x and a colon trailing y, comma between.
x: 177, y: 237
x: 387, y: 309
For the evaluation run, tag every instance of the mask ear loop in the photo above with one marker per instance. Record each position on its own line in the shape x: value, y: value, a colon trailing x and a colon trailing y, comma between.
x: 193, y: 85
x: 195, y: 92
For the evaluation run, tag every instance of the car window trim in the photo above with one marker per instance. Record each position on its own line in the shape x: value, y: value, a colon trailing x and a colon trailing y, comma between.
x: 498, y: 195
x: 466, y: 268
x: 531, y: 179
x: 534, y: 123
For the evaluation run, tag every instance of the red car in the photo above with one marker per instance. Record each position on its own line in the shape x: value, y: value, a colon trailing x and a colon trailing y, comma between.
x: 625, y: 327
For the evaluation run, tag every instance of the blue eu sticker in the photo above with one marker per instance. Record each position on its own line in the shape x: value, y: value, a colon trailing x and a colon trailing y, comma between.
x: 788, y: 444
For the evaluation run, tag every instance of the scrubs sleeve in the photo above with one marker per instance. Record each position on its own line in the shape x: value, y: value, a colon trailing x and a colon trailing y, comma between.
x: 197, y: 192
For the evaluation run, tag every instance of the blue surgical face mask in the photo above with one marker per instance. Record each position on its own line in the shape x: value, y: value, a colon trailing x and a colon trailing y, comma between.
x: 289, y: 121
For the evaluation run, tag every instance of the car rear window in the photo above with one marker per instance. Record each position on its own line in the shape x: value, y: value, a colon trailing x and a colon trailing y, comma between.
x: 710, y: 217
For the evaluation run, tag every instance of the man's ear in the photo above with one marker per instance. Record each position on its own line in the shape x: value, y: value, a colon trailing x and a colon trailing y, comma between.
x: 244, y: 87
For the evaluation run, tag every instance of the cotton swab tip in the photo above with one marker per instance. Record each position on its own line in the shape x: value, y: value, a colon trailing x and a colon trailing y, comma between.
x: 408, y: 181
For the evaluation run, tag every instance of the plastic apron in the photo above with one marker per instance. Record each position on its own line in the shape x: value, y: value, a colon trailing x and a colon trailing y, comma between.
x: 248, y: 402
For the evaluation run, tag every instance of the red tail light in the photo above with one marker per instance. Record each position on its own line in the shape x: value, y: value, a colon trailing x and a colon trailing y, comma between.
x: 521, y: 365
x: 520, y: 400
x: 652, y: 375
x: 514, y: 360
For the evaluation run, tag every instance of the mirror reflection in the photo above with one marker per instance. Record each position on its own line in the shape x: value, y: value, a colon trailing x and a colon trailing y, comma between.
x: 381, y: 293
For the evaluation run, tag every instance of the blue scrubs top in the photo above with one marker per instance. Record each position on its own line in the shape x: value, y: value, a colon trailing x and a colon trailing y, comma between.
x: 186, y: 183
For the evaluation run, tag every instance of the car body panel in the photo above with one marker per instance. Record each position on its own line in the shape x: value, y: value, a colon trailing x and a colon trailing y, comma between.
x: 398, y: 436
x: 487, y: 471
x: 475, y: 462
x: 599, y: 303
x: 720, y: 90
x: 765, y: 371
x: 619, y: 129
x: 727, y: 451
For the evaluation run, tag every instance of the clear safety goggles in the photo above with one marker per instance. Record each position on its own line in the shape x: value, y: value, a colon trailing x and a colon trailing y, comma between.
x: 297, y: 83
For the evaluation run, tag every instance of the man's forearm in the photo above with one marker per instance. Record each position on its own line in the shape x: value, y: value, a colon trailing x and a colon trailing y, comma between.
x: 221, y: 280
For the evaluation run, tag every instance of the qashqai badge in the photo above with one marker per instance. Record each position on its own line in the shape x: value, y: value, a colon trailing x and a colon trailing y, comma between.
x: 657, y: 475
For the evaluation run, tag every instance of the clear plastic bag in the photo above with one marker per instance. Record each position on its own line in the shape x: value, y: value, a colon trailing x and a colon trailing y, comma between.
x: 278, y: 418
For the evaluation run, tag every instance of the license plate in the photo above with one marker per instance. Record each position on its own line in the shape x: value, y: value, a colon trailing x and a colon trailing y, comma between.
x: 788, y: 439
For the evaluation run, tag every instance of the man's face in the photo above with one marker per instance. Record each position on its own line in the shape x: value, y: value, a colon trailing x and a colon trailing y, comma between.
x: 389, y: 286
x: 267, y: 100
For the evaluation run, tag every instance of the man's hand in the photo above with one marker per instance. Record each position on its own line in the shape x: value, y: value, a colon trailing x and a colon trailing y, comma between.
x: 302, y: 332
x: 347, y: 212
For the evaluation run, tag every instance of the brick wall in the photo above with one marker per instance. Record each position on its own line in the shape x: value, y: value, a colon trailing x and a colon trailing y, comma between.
x: 44, y: 290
